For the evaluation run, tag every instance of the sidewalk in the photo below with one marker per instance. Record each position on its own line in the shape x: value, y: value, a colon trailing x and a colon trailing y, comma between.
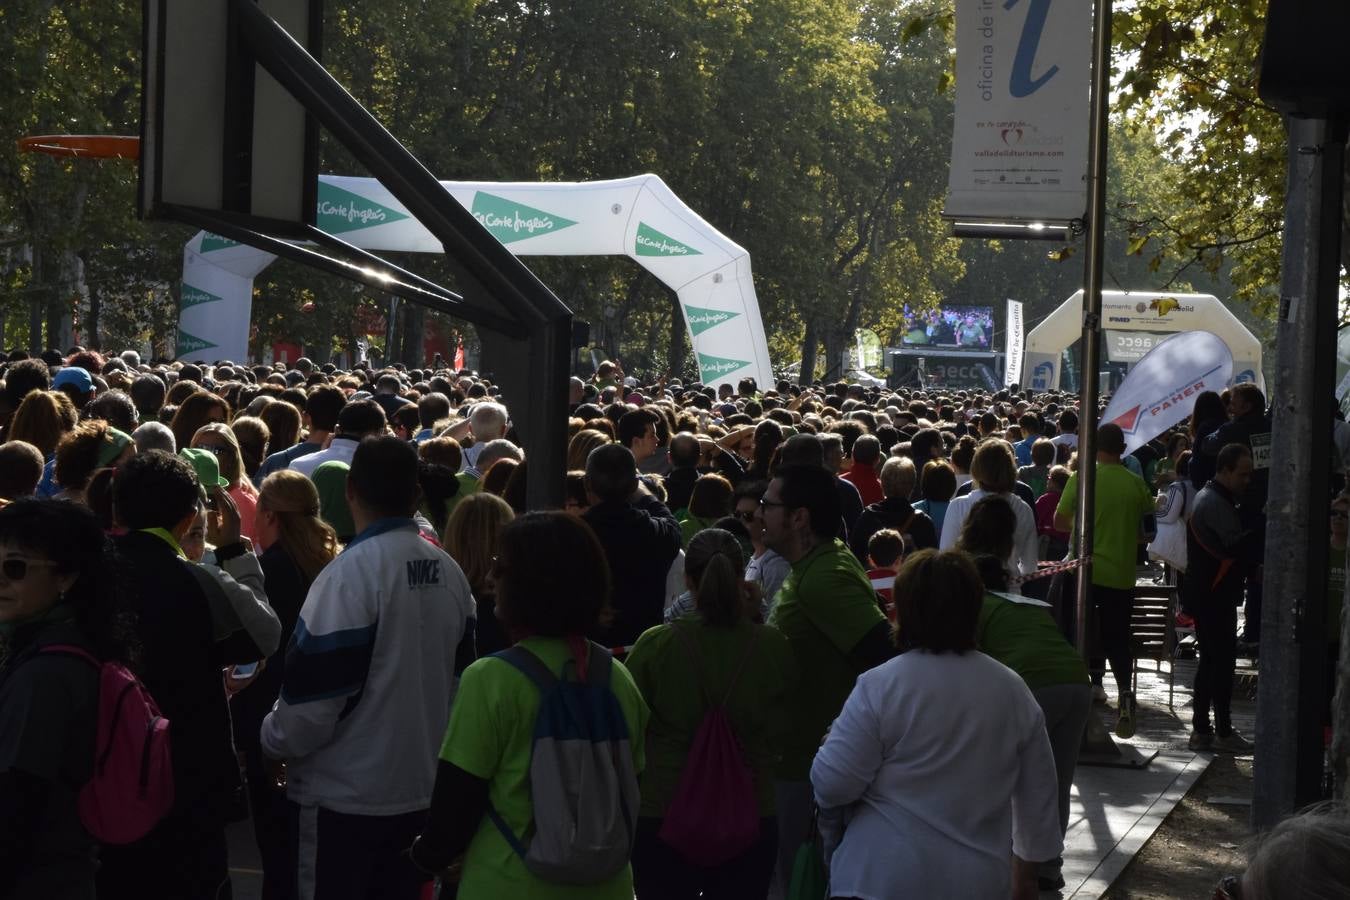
x: 1115, y: 811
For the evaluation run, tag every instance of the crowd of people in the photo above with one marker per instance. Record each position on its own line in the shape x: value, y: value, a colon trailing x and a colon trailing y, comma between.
x: 769, y: 631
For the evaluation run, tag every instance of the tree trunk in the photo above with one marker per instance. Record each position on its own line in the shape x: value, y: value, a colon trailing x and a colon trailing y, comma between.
x: 679, y: 338
x: 810, y: 344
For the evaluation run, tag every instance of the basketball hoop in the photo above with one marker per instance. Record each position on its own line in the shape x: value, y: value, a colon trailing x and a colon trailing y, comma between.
x: 84, y: 146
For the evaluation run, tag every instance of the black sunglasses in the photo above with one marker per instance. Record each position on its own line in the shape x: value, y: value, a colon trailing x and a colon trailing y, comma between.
x: 746, y: 515
x: 15, y: 568
x: 1229, y: 888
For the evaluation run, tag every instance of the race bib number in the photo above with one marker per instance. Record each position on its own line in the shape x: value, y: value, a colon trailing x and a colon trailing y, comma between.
x: 1261, y: 451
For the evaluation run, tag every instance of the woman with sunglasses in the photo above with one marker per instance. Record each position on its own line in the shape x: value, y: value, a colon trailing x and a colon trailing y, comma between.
x: 218, y: 439
x: 765, y: 567
x: 56, y: 588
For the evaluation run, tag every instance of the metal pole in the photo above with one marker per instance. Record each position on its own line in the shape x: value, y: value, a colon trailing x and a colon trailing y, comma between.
x: 1092, y: 314
x: 1288, y: 766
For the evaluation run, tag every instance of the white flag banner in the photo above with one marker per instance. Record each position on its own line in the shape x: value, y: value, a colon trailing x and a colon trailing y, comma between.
x: 1012, y: 345
x: 1161, y: 389
x: 1019, y: 145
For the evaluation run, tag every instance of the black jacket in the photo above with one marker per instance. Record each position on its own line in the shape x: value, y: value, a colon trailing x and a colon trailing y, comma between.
x: 181, y: 662
x: 641, y: 540
x: 893, y: 512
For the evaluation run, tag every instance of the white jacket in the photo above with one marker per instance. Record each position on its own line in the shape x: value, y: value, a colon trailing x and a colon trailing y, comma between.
x: 1173, y: 511
x: 383, y: 636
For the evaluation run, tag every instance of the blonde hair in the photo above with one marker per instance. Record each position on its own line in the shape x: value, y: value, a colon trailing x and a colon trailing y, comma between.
x: 581, y: 445
x: 232, y: 463
x: 294, y: 500
x: 472, y: 534
x: 42, y: 419
x: 994, y: 468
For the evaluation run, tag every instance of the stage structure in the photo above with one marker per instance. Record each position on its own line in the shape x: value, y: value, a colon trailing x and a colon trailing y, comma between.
x: 636, y: 217
x: 1134, y: 322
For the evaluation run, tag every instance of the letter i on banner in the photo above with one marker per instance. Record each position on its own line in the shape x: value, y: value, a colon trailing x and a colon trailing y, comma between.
x: 1012, y: 347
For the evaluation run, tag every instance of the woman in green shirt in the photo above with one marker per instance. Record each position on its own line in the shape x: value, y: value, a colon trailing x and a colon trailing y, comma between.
x: 552, y: 587
x: 1020, y: 633
x: 715, y: 653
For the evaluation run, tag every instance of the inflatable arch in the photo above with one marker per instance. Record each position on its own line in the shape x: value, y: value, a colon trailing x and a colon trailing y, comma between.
x: 637, y: 217
x: 1138, y: 311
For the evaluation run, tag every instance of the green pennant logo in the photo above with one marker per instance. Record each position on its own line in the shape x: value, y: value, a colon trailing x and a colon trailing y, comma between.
x: 190, y: 343
x: 700, y: 319
x: 212, y: 242
x: 651, y: 242
x: 510, y: 221
x: 341, y: 211
x: 713, y: 367
x: 195, y: 296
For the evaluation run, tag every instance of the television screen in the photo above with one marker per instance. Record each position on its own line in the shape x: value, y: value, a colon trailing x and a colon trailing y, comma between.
x: 949, y: 327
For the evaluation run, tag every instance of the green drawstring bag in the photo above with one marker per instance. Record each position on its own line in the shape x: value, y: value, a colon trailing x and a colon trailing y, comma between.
x: 810, y: 881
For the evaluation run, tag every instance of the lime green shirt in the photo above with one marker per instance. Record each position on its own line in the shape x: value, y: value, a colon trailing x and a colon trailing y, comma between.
x: 669, y: 678
x: 824, y: 608
x: 1026, y: 639
x: 1122, y: 501
x: 491, y: 735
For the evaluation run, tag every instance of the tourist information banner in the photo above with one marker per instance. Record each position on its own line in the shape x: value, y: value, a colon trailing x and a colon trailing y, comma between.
x: 1019, y: 143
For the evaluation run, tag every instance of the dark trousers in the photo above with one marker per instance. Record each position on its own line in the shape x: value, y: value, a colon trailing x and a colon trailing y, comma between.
x: 660, y: 873
x: 271, y: 815
x: 340, y: 855
x: 1113, y: 607
x: 1216, y: 639
x: 179, y: 860
x: 1251, y: 611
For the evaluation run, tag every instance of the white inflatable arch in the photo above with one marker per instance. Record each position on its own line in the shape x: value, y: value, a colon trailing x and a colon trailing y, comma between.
x: 637, y: 217
x: 1138, y: 311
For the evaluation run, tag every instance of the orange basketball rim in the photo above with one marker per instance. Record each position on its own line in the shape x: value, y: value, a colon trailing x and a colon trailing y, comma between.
x: 83, y: 146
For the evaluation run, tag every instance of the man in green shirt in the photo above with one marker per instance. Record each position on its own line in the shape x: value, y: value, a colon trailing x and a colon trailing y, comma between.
x: 828, y: 611
x: 1123, y: 501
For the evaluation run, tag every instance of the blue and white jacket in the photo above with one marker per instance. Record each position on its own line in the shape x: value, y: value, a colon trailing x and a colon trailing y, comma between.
x: 384, y: 634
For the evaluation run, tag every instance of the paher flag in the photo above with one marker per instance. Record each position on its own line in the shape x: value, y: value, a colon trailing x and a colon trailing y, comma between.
x: 1161, y: 389
x: 1019, y: 143
x: 1012, y: 346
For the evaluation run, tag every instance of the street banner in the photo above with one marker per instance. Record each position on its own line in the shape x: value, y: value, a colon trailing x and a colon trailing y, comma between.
x: 1161, y: 389
x: 1012, y: 346
x: 1019, y: 143
x: 637, y: 217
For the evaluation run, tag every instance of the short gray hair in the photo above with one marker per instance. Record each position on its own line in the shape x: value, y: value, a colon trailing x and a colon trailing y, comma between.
x: 487, y: 417
x: 154, y: 436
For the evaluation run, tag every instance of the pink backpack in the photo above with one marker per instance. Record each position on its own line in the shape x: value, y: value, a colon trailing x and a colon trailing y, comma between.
x: 132, y: 785
x: 714, y: 815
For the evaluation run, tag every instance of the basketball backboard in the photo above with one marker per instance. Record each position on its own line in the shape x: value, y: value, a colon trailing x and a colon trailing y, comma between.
x: 217, y: 131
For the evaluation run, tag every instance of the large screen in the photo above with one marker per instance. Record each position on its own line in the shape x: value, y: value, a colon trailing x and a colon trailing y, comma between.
x: 950, y: 327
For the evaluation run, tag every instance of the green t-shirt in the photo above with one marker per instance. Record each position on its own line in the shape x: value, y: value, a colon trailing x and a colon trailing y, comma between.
x: 669, y: 677
x: 468, y: 484
x: 1026, y: 639
x: 491, y: 735
x: 1122, y: 501
x: 824, y: 608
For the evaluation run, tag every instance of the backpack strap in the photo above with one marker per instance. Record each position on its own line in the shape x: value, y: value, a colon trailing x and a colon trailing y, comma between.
x: 72, y: 650
x: 687, y: 638
x: 531, y: 666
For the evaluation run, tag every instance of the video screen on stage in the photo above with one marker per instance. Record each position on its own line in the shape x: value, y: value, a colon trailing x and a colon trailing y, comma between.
x: 950, y: 327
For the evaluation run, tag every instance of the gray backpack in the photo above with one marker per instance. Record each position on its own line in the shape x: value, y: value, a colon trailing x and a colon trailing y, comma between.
x: 582, y: 785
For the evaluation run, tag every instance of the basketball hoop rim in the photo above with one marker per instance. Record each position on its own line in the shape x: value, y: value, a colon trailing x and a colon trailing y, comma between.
x: 83, y: 146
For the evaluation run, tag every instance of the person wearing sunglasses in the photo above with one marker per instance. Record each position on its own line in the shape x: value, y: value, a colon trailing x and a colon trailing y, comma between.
x: 766, y: 567
x: 56, y: 588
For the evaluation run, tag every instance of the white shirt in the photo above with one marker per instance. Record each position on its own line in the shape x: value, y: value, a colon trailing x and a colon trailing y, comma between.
x: 1065, y: 440
x: 943, y: 762
x: 1026, y: 549
x: 341, y: 450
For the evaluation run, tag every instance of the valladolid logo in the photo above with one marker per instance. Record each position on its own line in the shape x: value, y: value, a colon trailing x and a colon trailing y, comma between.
x: 651, y: 242
x: 700, y: 319
x: 212, y: 242
x: 190, y: 343
x: 195, y: 297
x: 341, y: 211
x: 510, y: 221
x: 711, y: 367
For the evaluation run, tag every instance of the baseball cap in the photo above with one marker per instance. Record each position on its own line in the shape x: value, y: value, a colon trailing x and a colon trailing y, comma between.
x: 204, y: 463
x: 78, y: 378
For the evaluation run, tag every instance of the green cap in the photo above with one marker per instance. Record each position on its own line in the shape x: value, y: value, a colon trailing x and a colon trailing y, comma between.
x: 204, y: 463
